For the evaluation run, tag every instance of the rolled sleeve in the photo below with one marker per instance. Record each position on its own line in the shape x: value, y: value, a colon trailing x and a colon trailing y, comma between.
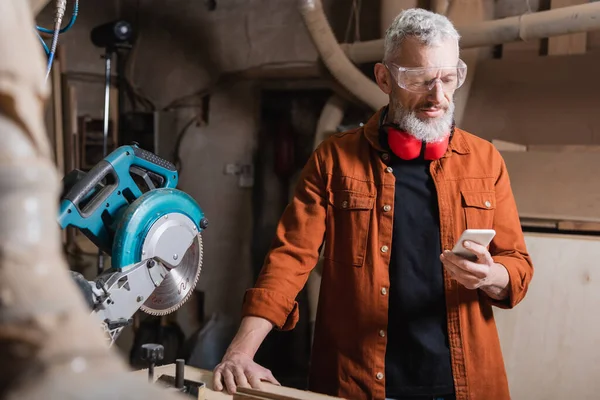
x: 294, y: 252
x: 275, y: 307
x: 508, y: 247
x: 518, y: 282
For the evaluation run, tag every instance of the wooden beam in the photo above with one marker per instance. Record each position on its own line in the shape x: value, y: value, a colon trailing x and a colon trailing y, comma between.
x: 574, y: 43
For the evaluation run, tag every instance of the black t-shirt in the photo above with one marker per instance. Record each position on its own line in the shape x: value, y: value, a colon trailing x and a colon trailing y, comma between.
x: 417, y: 356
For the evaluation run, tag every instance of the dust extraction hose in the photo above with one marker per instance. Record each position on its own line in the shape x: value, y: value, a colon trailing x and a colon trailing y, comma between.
x: 334, y: 57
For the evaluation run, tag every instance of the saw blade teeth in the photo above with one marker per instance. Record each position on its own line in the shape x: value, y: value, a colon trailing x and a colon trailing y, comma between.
x: 162, y: 312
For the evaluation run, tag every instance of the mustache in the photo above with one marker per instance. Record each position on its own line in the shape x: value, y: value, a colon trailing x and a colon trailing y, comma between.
x: 432, y: 105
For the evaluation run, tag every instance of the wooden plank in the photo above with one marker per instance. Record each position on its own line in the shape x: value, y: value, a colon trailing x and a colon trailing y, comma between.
x: 582, y: 226
x: 550, y: 340
x: 538, y: 223
x: 568, y: 148
x: 574, y: 43
x: 503, y: 145
x: 570, y: 225
x: 535, y: 101
x: 555, y: 186
x: 201, y: 375
x: 259, y: 394
x: 244, y: 396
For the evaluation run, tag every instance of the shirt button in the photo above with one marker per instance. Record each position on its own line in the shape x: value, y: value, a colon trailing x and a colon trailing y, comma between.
x: 387, y: 208
x: 383, y: 291
x: 379, y: 376
x: 488, y: 204
x: 382, y: 333
x: 344, y: 204
x: 388, y: 169
x: 384, y: 249
x: 385, y: 156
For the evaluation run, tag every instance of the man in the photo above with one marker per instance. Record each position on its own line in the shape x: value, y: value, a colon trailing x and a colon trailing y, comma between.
x: 399, y: 316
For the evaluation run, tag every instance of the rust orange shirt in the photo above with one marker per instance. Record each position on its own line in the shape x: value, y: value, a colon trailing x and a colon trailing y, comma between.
x: 342, y: 201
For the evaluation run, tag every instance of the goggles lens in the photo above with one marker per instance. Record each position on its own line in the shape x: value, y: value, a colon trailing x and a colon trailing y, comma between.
x: 422, y: 80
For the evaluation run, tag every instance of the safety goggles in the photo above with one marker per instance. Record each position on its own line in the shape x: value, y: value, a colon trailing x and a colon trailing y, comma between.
x: 422, y: 80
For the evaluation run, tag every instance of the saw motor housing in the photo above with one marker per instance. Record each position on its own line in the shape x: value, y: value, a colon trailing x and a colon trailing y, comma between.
x: 129, y: 207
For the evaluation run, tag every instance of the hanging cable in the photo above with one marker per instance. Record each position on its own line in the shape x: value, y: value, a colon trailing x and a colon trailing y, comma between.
x: 44, y: 45
x: 61, y: 6
x: 69, y: 25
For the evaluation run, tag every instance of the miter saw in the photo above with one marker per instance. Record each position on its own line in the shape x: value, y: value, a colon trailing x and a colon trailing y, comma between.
x: 129, y: 207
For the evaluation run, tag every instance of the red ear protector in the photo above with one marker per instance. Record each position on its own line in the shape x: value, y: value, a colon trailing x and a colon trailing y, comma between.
x: 407, y: 147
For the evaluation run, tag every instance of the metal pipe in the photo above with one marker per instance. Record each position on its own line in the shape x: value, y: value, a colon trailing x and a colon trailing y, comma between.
x: 334, y: 58
x: 440, y: 6
x: 330, y: 118
x: 538, y: 25
x: 390, y: 9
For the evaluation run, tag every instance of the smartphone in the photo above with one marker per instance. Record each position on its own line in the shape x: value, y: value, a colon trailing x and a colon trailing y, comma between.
x: 480, y: 236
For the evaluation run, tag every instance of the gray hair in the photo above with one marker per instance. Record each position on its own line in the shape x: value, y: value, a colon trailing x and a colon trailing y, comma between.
x: 430, y: 28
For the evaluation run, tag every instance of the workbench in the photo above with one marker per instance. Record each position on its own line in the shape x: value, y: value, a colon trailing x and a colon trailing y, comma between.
x: 267, y: 391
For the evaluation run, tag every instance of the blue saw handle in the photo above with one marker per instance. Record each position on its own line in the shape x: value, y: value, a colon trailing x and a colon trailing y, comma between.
x: 91, y: 204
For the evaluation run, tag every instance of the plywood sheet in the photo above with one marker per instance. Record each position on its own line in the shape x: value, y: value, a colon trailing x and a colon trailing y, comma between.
x: 555, y: 185
x: 536, y: 100
x: 551, y: 340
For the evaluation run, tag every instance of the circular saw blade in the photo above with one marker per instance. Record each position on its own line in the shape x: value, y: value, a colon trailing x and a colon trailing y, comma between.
x: 179, y: 283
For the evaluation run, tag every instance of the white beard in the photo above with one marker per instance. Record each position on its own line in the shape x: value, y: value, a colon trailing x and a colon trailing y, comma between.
x: 430, y: 131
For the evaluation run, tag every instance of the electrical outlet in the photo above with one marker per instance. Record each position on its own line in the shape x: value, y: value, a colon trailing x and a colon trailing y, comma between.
x: 246, y: 176
x: 232, y: 169
x: 245, y: 173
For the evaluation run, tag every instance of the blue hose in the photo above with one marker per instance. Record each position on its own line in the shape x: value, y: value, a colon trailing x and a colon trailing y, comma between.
x: 50, y: 52
x: 46, y: 49
x: 69, y: 25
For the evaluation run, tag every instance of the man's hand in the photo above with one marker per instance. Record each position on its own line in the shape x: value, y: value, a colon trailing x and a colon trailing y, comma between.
x: 238, y: 369
x: 482, y: 273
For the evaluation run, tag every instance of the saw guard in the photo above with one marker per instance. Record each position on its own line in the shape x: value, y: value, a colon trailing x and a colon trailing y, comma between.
x: 132, y: 231
x: 139, y: 217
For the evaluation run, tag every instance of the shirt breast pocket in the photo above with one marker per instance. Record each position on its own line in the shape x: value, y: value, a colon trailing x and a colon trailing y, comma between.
x: 479, y: 208
x: 348, y: 221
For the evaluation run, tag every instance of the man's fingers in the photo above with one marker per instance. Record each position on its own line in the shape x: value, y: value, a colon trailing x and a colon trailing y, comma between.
x: 229, y: 381
x: 466, y: 279
x: 254, y: 381
x: 217, y: 385
x: 480, y: 251
x: 240, y: 377
x: 456, y: 263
